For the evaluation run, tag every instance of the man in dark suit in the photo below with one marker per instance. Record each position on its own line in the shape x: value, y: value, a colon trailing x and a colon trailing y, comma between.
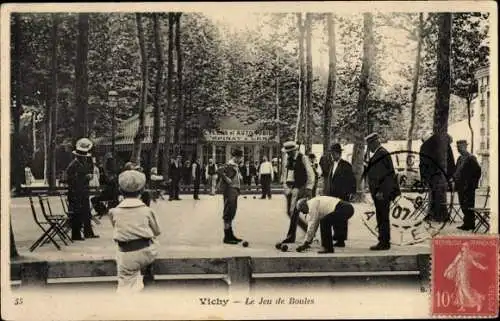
x: 247, y: 171
x: 175, y: 178
x: 196, y: 172
x: 338, y: 181
x: 79, y: 173
x: 467, y: 177
x: 384, y: 188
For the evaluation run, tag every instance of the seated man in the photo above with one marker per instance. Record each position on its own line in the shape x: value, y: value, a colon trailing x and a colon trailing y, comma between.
x: 327, y: 212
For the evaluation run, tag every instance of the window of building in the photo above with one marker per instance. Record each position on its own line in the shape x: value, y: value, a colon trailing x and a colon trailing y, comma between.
x: 220, y: 154
x: 248, y: 153
x: 207, y: 153
x: 264, y: 151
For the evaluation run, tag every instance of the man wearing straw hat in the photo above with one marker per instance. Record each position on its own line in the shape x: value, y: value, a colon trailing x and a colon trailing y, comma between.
x: 298, y: 178
x: 79, y: 174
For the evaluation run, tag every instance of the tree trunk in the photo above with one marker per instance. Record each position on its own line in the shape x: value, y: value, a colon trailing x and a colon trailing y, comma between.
x: 158, y: 89
x: 416, y: 76
x: 81, y: 77
x: 52, y: 107
x: 469, y: 121
x: 168, y: 107
x: 13, y: 247
x: 179, y: 111
x: 309, y: 81
x: 332, y: 81
x: 139, y: 136
x: 362, y: 108
x: 441, y: 111
x: 16, y: 179
x: 277, y: 100
x: 33, y: 134
x: 300, y: 114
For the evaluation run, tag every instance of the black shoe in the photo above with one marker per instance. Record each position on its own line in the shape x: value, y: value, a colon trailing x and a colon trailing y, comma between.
x: 339, y: 244
x: 229, y: 238
x: 263, y: 198
x: 325, y: 251
x: 177, y: 199
x: 465, y: 228
x: 197, y: 198
x: 231, y: 234
x: 78, y: 238
x: 380, y: 247
x: 230, y: 241
x: 93, y: 236
x: 288, y: 240
x: 170, y: 199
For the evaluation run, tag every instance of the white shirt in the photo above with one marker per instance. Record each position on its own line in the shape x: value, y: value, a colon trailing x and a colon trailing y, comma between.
x: 266, y: 168
x: 319, y: 207
x: 193, y: 171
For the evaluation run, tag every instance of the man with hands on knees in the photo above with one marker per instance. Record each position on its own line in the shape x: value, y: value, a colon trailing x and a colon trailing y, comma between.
x: 298, y: 177
x: 325, y: 212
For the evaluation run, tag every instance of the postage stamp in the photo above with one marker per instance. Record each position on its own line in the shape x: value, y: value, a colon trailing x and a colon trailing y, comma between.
x: 465, y: 276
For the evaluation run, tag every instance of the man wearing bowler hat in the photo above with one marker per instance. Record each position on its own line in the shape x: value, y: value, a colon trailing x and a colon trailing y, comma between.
x: 383, y: 186
x: 79, y: 174
x: 339, y: 181
x: 298, y: 178
x: 467, y: 177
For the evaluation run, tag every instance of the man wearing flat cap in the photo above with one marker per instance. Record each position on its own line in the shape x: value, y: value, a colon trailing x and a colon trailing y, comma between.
x: 339, y: 181
x: 135, y: 229
x: 230, y: 180
x: 384, y: 188
x: 467, y: 175
x: 79, y: 174
x: 298, y: 178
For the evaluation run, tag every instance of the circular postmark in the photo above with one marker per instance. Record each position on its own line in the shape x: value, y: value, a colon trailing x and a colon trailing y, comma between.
x: 412, y: 189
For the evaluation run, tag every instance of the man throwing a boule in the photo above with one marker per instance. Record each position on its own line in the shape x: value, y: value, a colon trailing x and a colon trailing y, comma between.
x: 230, y: 184
x: 383, y: 186
x: 298, y: 178
x: 326, y: 212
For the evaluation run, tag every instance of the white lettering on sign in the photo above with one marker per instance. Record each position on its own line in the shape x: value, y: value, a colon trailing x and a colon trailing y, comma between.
x: 238, y: 135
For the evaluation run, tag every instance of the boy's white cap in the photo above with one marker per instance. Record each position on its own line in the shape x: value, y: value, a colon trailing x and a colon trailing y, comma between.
x: 131, y: 181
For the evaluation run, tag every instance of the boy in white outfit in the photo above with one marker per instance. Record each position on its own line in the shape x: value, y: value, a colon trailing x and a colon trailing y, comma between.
x: 135, y: 229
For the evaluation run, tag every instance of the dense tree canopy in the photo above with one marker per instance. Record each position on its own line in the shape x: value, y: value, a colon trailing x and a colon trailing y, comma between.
x: 252, y: 74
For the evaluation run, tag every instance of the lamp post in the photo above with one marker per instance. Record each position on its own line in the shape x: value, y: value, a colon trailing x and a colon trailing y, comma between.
x: 112, y: 96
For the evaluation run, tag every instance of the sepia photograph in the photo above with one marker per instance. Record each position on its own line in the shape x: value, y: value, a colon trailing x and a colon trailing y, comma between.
x: 249, y: 160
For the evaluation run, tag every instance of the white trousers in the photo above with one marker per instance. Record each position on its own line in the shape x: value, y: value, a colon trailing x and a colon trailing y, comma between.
x: 129, y: 265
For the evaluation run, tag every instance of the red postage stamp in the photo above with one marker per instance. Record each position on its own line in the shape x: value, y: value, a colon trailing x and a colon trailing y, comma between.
x: 465, y: 276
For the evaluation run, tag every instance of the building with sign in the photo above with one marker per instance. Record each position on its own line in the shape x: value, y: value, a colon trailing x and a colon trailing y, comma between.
x: 216, y: 144
x: 231, y: 134
x: 483, y: 108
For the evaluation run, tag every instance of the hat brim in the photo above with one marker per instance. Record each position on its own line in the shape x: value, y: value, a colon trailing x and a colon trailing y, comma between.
x: 84, y: 154
x: 292, y: 149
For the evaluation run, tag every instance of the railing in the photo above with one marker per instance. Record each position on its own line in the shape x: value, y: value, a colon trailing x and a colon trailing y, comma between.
x: 239, y: 272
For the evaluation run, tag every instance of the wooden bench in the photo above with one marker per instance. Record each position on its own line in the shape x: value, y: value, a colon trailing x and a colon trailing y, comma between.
x: 239, y: 272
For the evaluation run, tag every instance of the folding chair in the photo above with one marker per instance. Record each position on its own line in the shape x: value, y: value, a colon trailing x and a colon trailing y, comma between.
x: 456, y: 211
x: 482, y: 214
x: 47, y: 228
x: 156, y: 190
x: 60, y: 222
